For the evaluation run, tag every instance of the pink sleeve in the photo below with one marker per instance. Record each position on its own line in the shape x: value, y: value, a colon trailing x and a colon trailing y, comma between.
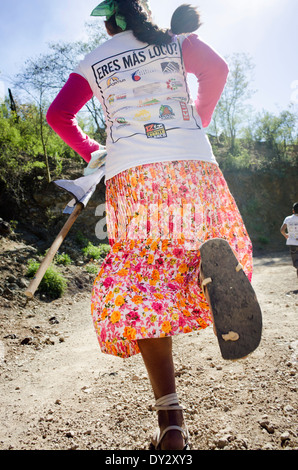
x: 211, y: 71
x: 61, y: 115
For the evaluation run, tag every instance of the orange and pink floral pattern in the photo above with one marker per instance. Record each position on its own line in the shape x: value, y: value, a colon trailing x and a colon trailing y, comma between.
x: 157, y: 216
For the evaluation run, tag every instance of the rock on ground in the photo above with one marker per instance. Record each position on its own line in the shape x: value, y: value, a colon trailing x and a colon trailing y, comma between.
x: 59, y: 392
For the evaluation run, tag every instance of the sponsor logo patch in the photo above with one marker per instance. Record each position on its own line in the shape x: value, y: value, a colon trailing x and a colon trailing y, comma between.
x: 148, y: 89
x: 155, y: 130
x: 170, y: 67
x: 114, y: 81
x: 184, y: 109
x: 148, y: 102
x: 138, y: 74
x: 166, y: 112
x: 121, y: 122
x: 112, y: 98
x: 143, y: 115
x: 177, y: 98
x: 174, y: 84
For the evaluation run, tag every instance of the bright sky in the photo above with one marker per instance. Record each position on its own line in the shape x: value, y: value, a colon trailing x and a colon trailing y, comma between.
x: 265, y: 29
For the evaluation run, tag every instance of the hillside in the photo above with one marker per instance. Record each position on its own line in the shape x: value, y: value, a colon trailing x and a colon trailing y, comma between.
x: 264, y: 194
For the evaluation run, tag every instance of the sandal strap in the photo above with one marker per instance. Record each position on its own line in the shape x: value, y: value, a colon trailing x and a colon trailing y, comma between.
x: 175, y: 428
x: 206, y: 281
x: 168, y: 402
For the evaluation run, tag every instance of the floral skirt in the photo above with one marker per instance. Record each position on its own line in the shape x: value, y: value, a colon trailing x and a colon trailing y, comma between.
x: 158, y: 215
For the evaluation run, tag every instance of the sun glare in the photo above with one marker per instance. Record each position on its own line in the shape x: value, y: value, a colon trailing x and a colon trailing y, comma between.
x: 251, y: 7
x: 245, y: 8
x: 2, y: 91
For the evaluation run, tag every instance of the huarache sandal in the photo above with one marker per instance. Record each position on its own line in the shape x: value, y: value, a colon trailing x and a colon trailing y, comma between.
x: 168, y: 402
x: 236, y: 313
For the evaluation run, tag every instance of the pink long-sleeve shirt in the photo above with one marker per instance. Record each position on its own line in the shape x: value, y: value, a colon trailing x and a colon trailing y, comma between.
x: 102, y: 78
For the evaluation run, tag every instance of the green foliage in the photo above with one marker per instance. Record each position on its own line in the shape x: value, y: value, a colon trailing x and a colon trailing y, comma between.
x: 95, y: 252
x: 81, y: 239
x: 62, y: 258
x: 21, y: 152
x: 53, y: 283
x: 21, y: 136
x: 92, y: 268
x: 278, y: 132
x: 232, y: 109
x: 89, y: 250
x: 263, y: 240
x: 269, y: 141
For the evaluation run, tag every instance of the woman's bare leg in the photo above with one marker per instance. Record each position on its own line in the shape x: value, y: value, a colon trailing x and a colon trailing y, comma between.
x: 158, y: 359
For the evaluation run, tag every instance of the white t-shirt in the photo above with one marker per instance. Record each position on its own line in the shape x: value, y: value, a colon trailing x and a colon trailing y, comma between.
x: 292, y: 228
x: 149, y: 113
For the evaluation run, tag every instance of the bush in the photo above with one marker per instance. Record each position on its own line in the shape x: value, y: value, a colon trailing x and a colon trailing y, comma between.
x: 95, y: 252
x: 81, y: 239
x: 53, y: 283
x: 92, y: 268
x: 63, y: 259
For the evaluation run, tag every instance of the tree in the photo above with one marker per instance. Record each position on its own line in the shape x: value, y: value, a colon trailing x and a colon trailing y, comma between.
x: 42, y: 77
x: 64, y: 58
x: 35, y: 81
x: 232, y: 108
x: 279, y: 132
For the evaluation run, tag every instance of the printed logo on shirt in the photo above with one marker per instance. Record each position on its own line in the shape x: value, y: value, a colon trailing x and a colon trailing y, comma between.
x: 155, y: 130
x: 177, y: 98
x: 122, y: 122
x: 184, y: 109
x: 143, y: 115
x: 138, y: 74
x: 148, y: 89
x: 114, y: 81
x: 121, y: 97
x: 148, y: 102
x: 120, y: 109
x: 112, y: 98
x: 166, y: 112
x: 174, y: 84
x: 170, y: 67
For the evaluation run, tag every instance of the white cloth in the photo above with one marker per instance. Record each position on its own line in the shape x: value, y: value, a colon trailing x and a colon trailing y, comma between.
x: 83, y: 188
x: 147, y: 105
x: 292, y: 227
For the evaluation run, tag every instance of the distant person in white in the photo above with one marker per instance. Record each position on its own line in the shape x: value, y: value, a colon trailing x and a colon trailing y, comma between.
x: 289, y: 230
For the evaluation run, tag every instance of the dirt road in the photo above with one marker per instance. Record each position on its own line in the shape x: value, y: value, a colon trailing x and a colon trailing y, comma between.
x: 58, y: 391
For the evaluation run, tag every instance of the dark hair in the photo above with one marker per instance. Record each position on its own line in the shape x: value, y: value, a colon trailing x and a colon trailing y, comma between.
x: 185, y: 19
x: 295, y: 207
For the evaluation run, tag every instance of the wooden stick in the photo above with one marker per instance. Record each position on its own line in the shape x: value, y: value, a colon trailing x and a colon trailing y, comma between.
x: 52, y: 251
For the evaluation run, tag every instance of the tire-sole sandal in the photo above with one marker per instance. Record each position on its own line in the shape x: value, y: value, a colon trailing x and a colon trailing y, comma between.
x: 168, y: 403
x: 236, y: 312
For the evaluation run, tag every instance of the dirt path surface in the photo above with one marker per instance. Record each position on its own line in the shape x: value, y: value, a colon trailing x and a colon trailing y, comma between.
x: 59, y: 392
